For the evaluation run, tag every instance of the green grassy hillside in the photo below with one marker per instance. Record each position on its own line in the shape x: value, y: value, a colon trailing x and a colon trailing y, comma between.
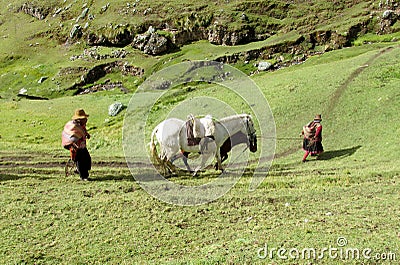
x: 347, y: 199
x: 351, y: 192
x: 36, y: 42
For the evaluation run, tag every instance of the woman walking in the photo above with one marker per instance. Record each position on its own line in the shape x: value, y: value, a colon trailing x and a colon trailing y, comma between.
x: 74, y: 138
x: 312, y: 141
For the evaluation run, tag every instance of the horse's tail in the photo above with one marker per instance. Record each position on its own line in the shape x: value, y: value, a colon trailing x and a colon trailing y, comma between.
x: 153, y: 147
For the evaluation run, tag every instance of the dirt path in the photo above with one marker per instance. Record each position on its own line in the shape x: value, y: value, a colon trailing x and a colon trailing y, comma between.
x: 14, y: 160
x: 9, y: 160
x: 338, y: 94
x: 51, y: 164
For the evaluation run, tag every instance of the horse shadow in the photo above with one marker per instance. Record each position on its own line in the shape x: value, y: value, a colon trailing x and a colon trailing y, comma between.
x: 327, y: 155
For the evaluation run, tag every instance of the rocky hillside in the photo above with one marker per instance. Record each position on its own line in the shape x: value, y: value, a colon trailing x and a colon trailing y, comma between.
x: 158, y: 28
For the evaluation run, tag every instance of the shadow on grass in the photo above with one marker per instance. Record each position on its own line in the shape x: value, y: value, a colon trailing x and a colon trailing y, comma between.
x: 338, y: 153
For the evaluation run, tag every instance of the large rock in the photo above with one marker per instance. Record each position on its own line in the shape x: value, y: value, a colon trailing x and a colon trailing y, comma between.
x: 76, y: 31
x: 42, y: 79
x: 389, y: 18
x: 220, y: 35
x: 115, y: 108
x: 264, y: 66
x: 388, y: 14
x: 156, y: 44
x: 151, y: 43
x: 104, y: 8
x: 85, y: 11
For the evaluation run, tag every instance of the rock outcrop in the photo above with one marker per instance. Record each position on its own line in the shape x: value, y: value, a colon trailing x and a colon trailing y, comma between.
x: 220, y: 35
x: 151, y: 42
x: 389, y: 18
x: 119, y: 37
x: 35, y: 11
x: 155, y: 37
x: 99, y: 71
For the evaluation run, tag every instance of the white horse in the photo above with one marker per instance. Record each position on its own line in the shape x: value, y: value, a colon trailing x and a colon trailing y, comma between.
x: 171, y: 134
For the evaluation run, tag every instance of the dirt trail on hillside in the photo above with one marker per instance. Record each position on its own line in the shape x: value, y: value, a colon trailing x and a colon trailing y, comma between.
x: 9, y: 161
x: 28, y: 160
x: 338, y: 94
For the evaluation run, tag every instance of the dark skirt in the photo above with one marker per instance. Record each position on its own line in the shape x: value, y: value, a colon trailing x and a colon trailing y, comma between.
x: 314, y: 147
x: 83, y: 162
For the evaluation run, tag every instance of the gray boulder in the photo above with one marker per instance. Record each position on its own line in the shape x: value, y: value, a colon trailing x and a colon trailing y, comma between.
x: 76, y: 31
x: 42, y: 79
x: 387, y: 14
x: 264, y: 66
x: 156, y: 44
x: 151, y: 42
x: 115, y: 108
x: 83, y: 14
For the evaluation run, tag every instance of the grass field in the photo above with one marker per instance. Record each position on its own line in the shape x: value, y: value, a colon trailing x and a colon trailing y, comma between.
x: 350, y: 194
x: 342, y: 208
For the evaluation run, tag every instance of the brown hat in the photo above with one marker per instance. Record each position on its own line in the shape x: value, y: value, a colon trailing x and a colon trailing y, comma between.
x: 79, y: 114
x: 318, y: 117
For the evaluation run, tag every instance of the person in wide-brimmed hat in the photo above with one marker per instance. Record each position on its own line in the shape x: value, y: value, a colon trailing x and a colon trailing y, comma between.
x: 74, y: 138
x: 312, y: 141
x: 80, y: 114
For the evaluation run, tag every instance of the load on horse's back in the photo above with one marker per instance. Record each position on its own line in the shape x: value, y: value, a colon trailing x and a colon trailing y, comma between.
x: 194, y: 130
x: 197, y: 129
x: 209, y: 126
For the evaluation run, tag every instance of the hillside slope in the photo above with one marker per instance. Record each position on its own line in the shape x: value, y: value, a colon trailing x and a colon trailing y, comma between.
x: 54, y: 48
x: 355, y: 89
x: 339, y: 67
x: 350, y: 193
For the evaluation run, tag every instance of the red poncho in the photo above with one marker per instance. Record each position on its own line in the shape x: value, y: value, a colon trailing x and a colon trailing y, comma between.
x: 74, y: 133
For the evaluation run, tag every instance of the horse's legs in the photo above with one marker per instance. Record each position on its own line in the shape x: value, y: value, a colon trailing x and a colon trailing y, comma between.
x: 219, y: 162
x: 204, y: 157
x: 207, y: 150
x: 171, y: 168
x: 175, y: 157
x: 184, y: 158
x: 223, y: 158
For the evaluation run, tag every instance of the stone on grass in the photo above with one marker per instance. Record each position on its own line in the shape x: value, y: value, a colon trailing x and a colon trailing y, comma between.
x: 115, y: 108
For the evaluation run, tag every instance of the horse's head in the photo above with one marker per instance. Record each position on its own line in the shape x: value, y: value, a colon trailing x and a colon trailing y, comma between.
x: 251, y: 133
